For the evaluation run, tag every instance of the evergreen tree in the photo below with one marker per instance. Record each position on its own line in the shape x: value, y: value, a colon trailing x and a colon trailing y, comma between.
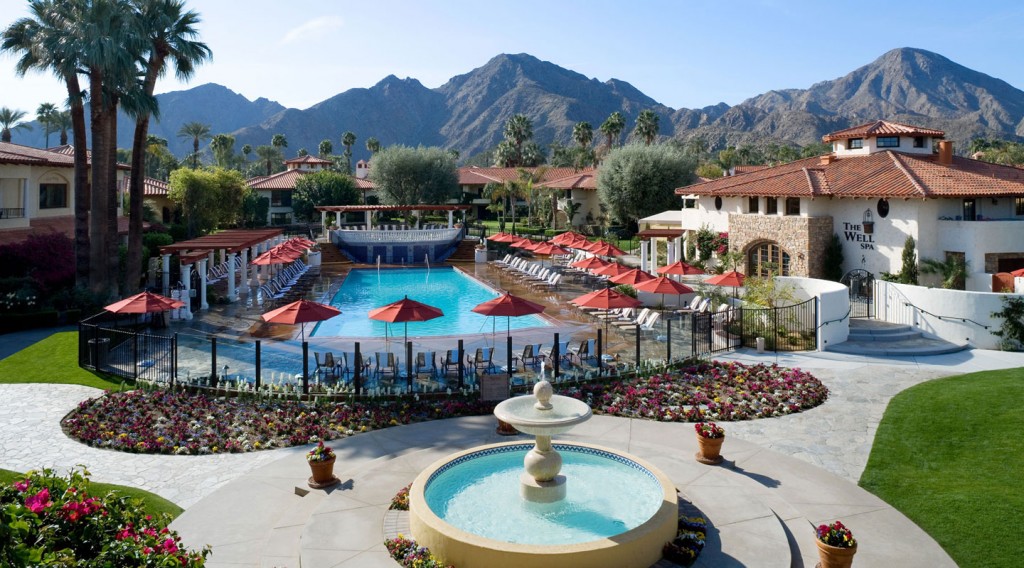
x: 908, y: 272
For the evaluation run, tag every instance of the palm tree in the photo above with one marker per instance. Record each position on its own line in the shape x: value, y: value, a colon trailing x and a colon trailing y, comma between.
x: 518, y: 130
x: 47, y: 41
x: 223, y: 148
x: 954, y: 270
x: 11, y: 120
x: 583, y: 135
x: 169, y: 33
x: 278, y: 141
x: 372, y: 145
x: 612, y: 127
x: 268, y: 154
x: 197, y: 131
x: 302, y: 152
x: 646, y: 126
x: 246, y: 150
x: 348, y: 139
x: 62, y: 122
x: 326, y: 148
x: 46, y: 115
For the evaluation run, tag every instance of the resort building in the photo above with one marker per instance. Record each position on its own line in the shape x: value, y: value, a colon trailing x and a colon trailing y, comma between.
x: 578, y: 185
x: 155, y: 195
x: 882, y: 182
x: 37, y: 192
x: 278, y: 187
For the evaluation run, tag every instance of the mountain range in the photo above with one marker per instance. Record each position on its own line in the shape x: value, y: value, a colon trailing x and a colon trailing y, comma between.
x: 468, y: 112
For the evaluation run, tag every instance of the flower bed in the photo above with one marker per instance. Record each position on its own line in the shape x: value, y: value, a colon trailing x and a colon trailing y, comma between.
x: 407, y: 554
x: 707, y: 391
x: 46, y: 520
x: 164, y: 422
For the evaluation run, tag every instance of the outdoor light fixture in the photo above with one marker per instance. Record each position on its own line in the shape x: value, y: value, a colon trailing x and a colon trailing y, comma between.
x: 869, y: 222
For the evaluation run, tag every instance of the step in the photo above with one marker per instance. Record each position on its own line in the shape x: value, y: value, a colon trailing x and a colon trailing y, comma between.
x: 887, y: 335
x: 906, y: 348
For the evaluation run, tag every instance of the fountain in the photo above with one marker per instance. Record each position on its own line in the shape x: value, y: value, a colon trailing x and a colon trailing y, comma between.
x: 608, y: 509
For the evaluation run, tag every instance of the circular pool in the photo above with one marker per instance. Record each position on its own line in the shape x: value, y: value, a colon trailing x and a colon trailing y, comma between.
x: 619, y: 510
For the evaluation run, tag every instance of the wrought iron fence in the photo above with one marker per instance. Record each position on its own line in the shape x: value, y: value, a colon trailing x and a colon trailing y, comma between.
x: 109, y: 345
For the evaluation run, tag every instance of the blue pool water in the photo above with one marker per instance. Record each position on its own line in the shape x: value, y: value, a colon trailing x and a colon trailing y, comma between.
x: 446, y: 288
x: 606, y: 495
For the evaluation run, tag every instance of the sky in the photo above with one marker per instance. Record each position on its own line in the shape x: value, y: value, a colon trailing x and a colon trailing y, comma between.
x: 681, y: 53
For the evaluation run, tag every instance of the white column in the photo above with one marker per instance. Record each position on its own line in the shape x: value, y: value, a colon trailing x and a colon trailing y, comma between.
x: 678, y: 245
x: 654, y: 254
x: 643, y: 256
x: 451, y: 220
x: 323, y: 219
x: 254, y: 280
x: 232, y: 293
x: 243, y: 270
x: 369, y: 222
x: 165, y: 264
x: 210, y: 260
x: 337, y: 219
x: 223, y: 255
x: 202, y: 285
x: 186, y: 278
x: 671, y: 251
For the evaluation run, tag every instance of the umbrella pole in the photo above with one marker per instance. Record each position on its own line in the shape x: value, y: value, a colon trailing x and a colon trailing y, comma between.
x: 305, y: 367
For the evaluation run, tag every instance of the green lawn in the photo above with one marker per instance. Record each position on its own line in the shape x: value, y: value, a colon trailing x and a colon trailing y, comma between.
x: 52, y: 360
x: 949, y: 455
x: 154, y: 504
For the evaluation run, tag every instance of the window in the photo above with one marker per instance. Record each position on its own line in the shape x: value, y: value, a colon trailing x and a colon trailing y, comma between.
x: 771, y: 206
x: 280, y: 198
x: 752, y: 204
x: 888, y: 142
x: 766, y: 258
x: 854, y: 143
x: 1018, y: 203
x: 280, y: 218
x: 718, y: 204
x: 918, y: 141
x: 970, y: 210
x: 53, y: 195
x: 689, y: 204
x: 883, y: 208
x: 792, y: 206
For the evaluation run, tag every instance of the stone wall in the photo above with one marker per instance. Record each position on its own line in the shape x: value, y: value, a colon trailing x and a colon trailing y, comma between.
x: 803, y: 238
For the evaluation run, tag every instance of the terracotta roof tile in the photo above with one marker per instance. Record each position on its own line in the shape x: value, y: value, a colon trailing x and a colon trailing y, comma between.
x: 150, y: 187
x: 280, y: 180
x: 483, y: 176
x: 18, y: 154
x: 585, y: 179
x: 881, y: 128
x: 308, y: 159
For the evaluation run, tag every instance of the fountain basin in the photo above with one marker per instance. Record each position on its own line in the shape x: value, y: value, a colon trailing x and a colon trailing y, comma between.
x: 637, y: 545
x: 522, y: 413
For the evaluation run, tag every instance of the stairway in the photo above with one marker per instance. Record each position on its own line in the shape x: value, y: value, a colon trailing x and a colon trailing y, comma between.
x: 329, y: 254
x: 873, y: 337
x: 465, y: 252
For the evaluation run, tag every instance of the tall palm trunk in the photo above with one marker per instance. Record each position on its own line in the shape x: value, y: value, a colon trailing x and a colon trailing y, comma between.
x: 82, y: 192
x: 99, y: 218
x: 113, y: 196
x: 133, y: 272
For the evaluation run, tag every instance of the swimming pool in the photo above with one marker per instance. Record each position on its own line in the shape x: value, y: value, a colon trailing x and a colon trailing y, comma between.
x: 445, y: 288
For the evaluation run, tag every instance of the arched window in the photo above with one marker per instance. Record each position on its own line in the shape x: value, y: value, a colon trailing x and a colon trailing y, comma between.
x: 767, y: 256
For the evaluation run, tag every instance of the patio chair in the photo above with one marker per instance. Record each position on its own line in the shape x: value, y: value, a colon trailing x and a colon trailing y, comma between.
x: 330, y: 366
x: 451, y: 362
x: 563, y: 351
x: 426, y: 362
x: 482, y: 359
x: 386, y: 364
x: 531, y: 355
x: 585, y: 351
x: 692, y: 307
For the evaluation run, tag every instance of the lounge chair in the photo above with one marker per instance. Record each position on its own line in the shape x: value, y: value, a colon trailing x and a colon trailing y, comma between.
x: 451, y: 362
x: 531, y: 355
x: 563, y: 351
x: 330, y: 367
x: 482, y: 359
x: 386, y: 364
x: 426, y: 362
x: 585, y: 351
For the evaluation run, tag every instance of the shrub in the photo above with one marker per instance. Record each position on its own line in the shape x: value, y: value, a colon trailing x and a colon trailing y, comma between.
x: 48, y: 520
x: 49, y: 259
x: 1011, y: 331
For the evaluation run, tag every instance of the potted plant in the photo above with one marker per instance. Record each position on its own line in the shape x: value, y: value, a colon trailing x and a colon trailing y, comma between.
x: 836, y: 545
x: 321, y: 463
x: 709, y: 439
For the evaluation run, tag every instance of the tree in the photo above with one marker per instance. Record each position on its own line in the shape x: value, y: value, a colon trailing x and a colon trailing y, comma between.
x: 207, y: 197
x: 348, y: 139
x: 322, y: 188
x: 518, y: 130
x: 62, y: 123
x: 46, y: 114
x: 279, y: 142
x: 953, y: 270
x: 636, y: 181
x: 646, y: 126
x: 908, y: 272
x: 571, y: 208
x: 326, y: 148
x: 223, y: 148
x: 413, y: 176
x: 255, y: 209
x: 198, y: 132
x: 373, y: 146
x: 246, y: 150
x: 11, y: 120
x: 583, y: 135
x: 832, y: 262
x: 612, y: 128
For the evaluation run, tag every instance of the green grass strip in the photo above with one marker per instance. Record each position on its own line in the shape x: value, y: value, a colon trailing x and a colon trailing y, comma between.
x: 949, y: 454
x: 52, y: 360
x: 153, y: 503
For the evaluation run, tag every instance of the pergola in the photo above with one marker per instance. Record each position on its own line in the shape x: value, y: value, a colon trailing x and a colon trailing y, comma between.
x: 369, y: 209
x: 247, y: 243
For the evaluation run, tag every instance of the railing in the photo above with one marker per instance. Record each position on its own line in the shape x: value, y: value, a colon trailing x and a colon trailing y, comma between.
x: 906, y: 315
x: 12, y: 213
x: 407, y: 236
x: 105, y: 346
x: 787, y: 328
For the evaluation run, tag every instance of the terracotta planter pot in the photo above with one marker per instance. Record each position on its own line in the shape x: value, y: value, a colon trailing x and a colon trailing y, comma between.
x: 710, y: 450
x: 834, y: 556
x: 506, y: 429
x: 323, y: 474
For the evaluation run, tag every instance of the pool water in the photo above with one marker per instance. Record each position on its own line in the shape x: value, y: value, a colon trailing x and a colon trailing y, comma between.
x: 606, y: 495
x: 445, y: 288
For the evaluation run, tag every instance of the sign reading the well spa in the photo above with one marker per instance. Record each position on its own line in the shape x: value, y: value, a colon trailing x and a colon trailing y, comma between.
x: 857, y: 233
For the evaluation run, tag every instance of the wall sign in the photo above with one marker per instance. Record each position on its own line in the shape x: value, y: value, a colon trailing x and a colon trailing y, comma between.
x: 854, y: 233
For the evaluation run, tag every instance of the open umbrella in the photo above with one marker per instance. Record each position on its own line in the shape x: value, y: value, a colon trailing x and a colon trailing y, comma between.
x: 663, y: 285
x: 502, y: 238
x: 520, y: 243
x: 731, y: 278
x: 509, y: 306
x: 301, y: 312
x: 275, y: 256
x: 603, y: 248
x: 606, y: 299
x: 612, y: 269
x: 631, y: 277
x: 144, y: 303
x: 680, y: 268
x: 547, y: 248
x: 405, y: 311
x: 567, y: 237
x: 590, y: 263
x: 1017, y: 273
x: 302, y: 241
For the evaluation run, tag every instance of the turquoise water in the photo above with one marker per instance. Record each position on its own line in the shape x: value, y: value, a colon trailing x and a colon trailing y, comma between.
x: 605, y: 496
x: 445, y: 288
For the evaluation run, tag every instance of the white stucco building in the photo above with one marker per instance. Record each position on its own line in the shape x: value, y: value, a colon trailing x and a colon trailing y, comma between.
x: 882, y: 182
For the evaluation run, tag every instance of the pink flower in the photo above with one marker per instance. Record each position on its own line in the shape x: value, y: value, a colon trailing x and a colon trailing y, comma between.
x: 39, y: 502
x: 22, y: 485
x: 170, y: 546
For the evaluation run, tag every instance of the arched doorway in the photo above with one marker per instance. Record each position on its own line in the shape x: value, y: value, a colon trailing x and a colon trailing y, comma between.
x: 861, y: 284
x: 766, y: 257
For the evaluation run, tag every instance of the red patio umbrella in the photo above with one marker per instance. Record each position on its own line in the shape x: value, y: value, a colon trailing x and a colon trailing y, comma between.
x: 303, y: 241
x: 681, y: 268
x: 612, y: 269
x: 1017, y: 273
x: 520, y: 243
x: 274, y: 256
x: 731, y: 278
x: 590, y: 263
x: 405, y: 311
x: 301, y: 312
x: 663, y: 285
x: 602, y: 248
x: 606, y: 299
x: 502, y: 238
x: 631, y: 277
x: 509, y: 306
x: 144, y: 303
x: 567, y: 237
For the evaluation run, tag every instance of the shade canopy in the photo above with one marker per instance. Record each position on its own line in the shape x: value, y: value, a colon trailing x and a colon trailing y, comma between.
x: 144, y: 303
x: 273, y: 256
x: 590, y: 263
x: 548, y: 249
x: 502, y: 237
x: 301, y: 312
x: 1017, y: 273
x: 606, y: 299
x: 612, y: 269
x: 520, y: 243
x: 680, y: 268
x: 577, y: 241
x: 405, y: 311
x: 602, y: 248
x: 731, y: 278
x: 631, y: 277
x: 509, y: 306
x: 567, y: 238
x: 663, y: 285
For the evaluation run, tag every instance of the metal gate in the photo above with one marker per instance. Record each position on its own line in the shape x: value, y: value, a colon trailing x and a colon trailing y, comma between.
x: 713, y: 332
x: 861, y: 285
x: 788, y: 328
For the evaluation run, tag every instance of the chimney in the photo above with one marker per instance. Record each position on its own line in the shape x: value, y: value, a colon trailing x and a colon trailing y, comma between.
x: 828, y: 159
x: 945, y: 152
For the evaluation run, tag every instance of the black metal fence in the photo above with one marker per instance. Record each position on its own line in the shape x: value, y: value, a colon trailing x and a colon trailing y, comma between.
x: 121, y: 347
x: 788, y: 328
